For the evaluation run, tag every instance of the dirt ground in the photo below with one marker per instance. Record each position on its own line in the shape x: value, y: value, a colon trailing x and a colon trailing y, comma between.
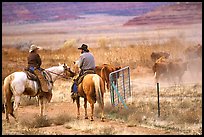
x: 62, y: 104
x: 81, y: 126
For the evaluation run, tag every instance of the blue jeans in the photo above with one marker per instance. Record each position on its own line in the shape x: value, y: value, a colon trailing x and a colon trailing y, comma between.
x: 33, y: 68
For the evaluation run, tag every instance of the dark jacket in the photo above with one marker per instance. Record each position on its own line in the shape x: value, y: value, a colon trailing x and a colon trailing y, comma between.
x: 34, y: 60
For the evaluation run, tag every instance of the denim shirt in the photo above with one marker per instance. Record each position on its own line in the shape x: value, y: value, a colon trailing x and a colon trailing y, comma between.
x: 86, y: 61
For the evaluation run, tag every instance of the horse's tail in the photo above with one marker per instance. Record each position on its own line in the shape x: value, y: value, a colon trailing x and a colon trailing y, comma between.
x: 7, y: 95
x: 99, y: 91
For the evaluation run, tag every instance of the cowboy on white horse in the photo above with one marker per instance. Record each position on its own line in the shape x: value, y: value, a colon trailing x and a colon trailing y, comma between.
x: 34, y: 63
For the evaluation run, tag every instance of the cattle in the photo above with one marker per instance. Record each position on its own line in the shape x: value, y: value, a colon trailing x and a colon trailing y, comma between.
x: 160, y: 68
x: 157, y: 55
x: 195, y: 68
x: 193, y: 52
x: 176, y: 69
x: 104, y: 71
x: 171, y: 69
x: 199, y: 51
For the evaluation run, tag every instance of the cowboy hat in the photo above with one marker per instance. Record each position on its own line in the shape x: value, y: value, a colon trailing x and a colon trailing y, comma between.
x: 33, y: 47
x: 83, y: 47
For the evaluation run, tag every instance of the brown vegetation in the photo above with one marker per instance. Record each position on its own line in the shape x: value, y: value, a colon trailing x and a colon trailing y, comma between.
x: 143, y: 110
x: 131, y: 55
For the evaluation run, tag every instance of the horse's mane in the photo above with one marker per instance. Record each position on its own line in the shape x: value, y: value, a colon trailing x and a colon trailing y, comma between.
x: 54, y: 68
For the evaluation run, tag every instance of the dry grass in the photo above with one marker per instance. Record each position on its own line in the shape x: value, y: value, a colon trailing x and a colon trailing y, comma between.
x: 107, y: 131
x: 128, y: 55
x: 61, y: 119
x: 37, y: 122
x: 184, y: 111
x: 27, y: 100
x: 175, y: 111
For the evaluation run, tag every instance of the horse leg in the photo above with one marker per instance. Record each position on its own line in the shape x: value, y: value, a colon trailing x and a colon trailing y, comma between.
x: 44, y: 105
x: 108, y: 85
x: 78, y: 106
x: 6, y: 107
x: 16, y: 104
x: 102, y: 112
x: 37, y: 100
x: 92, y: 109
x: 12, y: 111
x: 7, y: 98
x: 6, y: 112
x: 91, y: 101
x: 41, y: 106
x: 85, y: 108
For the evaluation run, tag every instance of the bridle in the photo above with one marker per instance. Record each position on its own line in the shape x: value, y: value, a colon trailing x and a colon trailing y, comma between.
x: 56, y: 73
x: 64, y: 75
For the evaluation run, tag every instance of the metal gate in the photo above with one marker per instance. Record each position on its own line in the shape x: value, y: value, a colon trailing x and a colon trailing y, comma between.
x: 120, y: 88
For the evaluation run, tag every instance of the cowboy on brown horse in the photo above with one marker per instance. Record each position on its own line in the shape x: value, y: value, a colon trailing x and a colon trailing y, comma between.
x: 86, y: 63
x: 34, y: 63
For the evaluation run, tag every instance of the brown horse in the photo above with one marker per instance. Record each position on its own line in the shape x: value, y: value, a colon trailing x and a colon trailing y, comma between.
x: 92, y: 90
x: 104, y: 71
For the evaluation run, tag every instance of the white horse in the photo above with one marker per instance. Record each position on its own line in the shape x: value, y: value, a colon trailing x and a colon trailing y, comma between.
x: 17, y: 84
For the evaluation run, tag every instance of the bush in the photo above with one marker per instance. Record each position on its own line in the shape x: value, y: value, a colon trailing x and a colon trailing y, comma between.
x: 38, y: 121
x: 61, y: 119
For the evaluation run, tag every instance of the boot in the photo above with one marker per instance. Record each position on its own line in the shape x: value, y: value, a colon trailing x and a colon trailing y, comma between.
x: 43, y: 82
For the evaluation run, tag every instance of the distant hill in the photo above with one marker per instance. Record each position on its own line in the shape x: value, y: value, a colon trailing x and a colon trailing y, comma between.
x: 30, y: 12
x: 179, y: 13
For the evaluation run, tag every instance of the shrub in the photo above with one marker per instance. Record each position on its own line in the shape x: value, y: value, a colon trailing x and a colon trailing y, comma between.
x: 61, y: 119
x: 38, y: 121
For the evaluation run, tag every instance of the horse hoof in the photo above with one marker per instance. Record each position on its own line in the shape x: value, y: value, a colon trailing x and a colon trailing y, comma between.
x: 86, y: 117
x: 92, y: 119
x: 102, y: 120
x: 7, y: 121
x: 77, y: 117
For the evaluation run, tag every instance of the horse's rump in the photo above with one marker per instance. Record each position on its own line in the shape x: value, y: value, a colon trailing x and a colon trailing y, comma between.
x: 7, y: 93
x: 93, y: 86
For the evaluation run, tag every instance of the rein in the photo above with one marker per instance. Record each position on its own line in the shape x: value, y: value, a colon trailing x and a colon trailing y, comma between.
x: 57, y: 74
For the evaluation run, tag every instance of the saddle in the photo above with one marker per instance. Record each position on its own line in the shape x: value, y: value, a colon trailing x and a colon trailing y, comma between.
x: 80, y: 78
x: 42, y: 80
x: 77, y: 81
x: 30, y: 75
x: 39, y: 77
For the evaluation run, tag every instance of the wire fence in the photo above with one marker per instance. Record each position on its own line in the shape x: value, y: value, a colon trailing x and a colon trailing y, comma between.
x: 148, y: 90
x: 172, y: 92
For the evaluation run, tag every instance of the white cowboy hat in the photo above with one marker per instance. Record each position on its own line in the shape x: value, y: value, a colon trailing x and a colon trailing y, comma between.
x: 33, y: 47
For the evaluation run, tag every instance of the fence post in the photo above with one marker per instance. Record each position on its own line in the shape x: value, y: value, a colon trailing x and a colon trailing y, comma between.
x: 158, y: 99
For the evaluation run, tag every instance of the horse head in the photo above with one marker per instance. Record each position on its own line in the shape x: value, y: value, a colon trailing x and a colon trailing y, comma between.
x: 67, y: 71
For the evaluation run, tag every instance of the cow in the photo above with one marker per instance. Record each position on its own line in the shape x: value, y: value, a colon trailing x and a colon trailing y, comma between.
x: 176, y: 69
x: 157, y: 55
x: 104, y: 71
x: 193, y: 52
x: 195, y: 68
x: 171, y: 69
x: 160, y: 68
x: 199, y: 51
